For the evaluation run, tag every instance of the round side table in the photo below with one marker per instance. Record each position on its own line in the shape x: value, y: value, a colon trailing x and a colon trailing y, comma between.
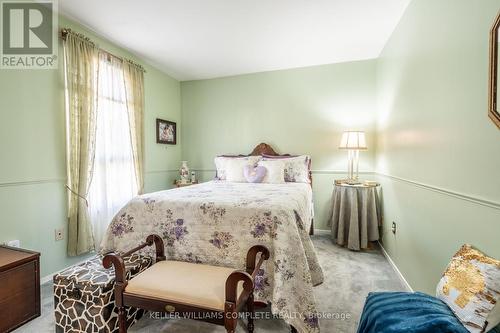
x: 356, y: 215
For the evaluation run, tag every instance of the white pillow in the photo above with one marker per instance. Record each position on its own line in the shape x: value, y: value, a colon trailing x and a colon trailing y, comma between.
x: 234, y: 170
x: 275, y: 171
x: 296, y: 168
x: 221, y: 161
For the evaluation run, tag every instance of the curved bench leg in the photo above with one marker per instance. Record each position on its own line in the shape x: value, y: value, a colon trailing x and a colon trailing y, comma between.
x: 122, y: 320
x: 230, y: 320
x: 251, y: 312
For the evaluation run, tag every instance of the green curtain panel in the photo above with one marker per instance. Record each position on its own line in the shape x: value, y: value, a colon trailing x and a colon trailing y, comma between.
x: 134, y: 88
x: 81, y: 72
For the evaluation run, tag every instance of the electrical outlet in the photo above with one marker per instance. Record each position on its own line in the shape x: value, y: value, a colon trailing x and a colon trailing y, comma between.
x: 394, y: 227
x: 59, y: 234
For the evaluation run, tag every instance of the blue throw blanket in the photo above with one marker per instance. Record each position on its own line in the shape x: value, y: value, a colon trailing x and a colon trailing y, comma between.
x: 398, y: 312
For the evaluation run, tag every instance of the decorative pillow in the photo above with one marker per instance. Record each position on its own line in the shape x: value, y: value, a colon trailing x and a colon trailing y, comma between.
x: 402, y: 312
x: 234, y: 170
x: 220, y: 163
x: 471, y: 287
x: 254, y: 174
x: 296, y: 167
x: 275, y: 171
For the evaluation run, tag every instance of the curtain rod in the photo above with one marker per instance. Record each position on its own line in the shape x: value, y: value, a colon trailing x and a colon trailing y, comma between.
x: 66, y: 31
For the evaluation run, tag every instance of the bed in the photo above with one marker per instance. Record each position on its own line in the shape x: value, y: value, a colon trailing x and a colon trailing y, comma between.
x: 217, y: 221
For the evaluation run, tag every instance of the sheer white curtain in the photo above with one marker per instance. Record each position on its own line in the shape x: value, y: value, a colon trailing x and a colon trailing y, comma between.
x: 114, y: 180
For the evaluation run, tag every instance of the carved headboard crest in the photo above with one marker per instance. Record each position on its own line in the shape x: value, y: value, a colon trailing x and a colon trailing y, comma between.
x: 263, y: 149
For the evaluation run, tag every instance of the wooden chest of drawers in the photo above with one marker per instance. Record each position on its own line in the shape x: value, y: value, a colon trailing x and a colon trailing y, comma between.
x: 19, y: 287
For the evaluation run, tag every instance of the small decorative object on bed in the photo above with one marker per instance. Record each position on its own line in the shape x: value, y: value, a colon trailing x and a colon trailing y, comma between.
x: 353, y: 142
x: 493, y: 111
x: 471, y: 288
x: 254, y: 174
x: 209, y: 293
x: 166, y: 132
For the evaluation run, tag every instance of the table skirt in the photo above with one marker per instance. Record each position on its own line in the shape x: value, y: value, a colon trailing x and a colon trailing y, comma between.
x: 355, y: 216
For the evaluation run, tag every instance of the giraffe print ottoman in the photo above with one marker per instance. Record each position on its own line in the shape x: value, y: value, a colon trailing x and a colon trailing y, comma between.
x: 84, y: 300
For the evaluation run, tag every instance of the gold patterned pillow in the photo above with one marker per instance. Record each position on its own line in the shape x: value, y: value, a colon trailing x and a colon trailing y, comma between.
x: 471, y: 287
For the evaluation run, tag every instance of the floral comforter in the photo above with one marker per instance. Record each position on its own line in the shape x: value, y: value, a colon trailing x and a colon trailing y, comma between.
x: 217, y: 222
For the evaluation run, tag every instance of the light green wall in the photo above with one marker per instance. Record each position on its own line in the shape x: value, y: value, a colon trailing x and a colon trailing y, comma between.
x: 298, y: 111
x: 433, y: 129
x: 32, y: 150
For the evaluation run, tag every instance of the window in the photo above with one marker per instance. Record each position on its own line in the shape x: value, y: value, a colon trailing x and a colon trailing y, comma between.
x: 113, y: 183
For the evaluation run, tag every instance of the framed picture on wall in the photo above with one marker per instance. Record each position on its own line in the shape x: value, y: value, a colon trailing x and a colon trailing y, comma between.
x: 166, y: 132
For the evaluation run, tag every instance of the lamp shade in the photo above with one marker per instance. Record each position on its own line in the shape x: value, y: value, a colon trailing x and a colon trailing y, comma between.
x: 353, y: 140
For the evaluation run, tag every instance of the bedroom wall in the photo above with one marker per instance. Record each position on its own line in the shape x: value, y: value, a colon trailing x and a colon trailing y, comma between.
x: 436, y: 145
x: 32, y: 150
x: 298, y: 111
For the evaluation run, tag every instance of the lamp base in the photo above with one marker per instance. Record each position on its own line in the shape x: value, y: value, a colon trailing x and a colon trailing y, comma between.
x: 353, y: 167
x: 348, y: 181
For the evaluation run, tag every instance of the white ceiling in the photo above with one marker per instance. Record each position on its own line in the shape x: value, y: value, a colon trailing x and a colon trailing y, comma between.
x: 199, y: 39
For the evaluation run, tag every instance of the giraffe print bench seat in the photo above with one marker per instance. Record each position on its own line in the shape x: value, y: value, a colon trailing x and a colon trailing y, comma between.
x: 84, y: 300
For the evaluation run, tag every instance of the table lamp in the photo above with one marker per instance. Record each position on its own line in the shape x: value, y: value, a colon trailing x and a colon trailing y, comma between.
x: 353, y: 141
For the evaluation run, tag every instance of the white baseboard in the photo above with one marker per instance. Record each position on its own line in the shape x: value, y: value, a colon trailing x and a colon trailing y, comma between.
x: 322, y: 232
x: 396, y: 269
x: 49, y: 277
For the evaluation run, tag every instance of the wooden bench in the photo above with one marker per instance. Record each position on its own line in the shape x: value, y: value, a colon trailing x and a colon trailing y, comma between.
x: 208, y: 293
